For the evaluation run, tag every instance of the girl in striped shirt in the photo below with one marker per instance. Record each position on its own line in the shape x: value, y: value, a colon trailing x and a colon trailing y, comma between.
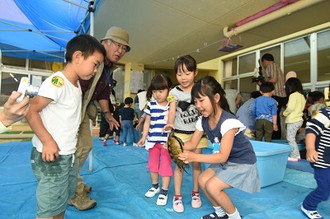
x: 154, y: 139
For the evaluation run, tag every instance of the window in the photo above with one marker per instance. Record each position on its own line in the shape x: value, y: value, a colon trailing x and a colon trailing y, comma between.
x: 10, y: 82
x: 297, y: 58
x: 323, y: 56
x: 275, y: 51
x: 36, y: 64
x: 232, y: 84
x: 13, y: 61
x: 246, y: 87
x: 230, y: 68
x: 247, y: 63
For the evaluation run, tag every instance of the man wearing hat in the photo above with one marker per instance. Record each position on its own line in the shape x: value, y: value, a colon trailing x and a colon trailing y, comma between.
x: 96, y: 91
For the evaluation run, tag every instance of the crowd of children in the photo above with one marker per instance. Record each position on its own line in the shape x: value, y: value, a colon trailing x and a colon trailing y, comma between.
x: 196, y: 112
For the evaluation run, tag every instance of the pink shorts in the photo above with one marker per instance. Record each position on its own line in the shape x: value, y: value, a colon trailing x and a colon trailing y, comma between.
x: 160, y: 161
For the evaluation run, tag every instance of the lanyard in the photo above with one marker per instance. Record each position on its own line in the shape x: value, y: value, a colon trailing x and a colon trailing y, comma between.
x: 107, y: 75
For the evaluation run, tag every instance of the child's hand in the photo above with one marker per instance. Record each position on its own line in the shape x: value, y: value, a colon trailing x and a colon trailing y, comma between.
x: 165, y: 146
x: 300, y: 130
x: 275, y: 127
x: 140, y: 142
x: 312, y: 156
x: 137, y: 127
x: 168, y: 127
x: 50, y: 151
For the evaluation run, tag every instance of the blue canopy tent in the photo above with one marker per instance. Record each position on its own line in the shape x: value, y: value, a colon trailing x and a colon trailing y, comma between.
x: 40, y: 29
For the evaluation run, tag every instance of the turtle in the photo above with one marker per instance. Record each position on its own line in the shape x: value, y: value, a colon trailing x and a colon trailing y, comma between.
x: 175, y: 147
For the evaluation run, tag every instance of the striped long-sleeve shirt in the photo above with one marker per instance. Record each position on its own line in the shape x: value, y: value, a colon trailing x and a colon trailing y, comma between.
x: 320, y: 126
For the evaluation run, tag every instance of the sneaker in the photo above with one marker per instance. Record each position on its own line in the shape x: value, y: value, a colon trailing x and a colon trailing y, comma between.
x: 152, y: 192
x: 196, y: 201
x: 291, y: 159
x: 124, y: 144
x: 214, y: 216
x: 311, y: 214
x: 105, y: 142
x: 177, y: 204
x: 82, y: 202
x: 116, y: 142
x: 101, y: 138
x: 162, y: 199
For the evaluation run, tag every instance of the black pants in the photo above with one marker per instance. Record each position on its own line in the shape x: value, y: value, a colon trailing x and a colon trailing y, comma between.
x: 282, y: 101
x: 104, y: 128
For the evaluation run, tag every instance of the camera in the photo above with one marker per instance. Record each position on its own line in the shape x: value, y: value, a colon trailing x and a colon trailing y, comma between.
x: 26, y: 89
x: 258, y: 77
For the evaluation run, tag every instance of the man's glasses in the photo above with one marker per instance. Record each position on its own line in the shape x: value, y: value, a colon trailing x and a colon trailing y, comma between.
x: 118, y: 45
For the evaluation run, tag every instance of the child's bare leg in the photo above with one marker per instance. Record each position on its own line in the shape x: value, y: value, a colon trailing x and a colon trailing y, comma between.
x: 197, y: 170
x: 178, y: 176
x: 214, y: 188
x: 202, y: 180
x: 166, y: 182
x: 154, y: 177
x: 59, y: 216
x: 196, y: 173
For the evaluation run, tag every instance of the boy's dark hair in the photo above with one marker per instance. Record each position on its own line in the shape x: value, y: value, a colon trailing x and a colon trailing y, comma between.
x: 268, y: 57
x: 128, y: 100
x: 309, y: 98
x: 159, y: 82
x: 267, y: 87
x: 186, y: 60
x: 84, y: 43
x: 255, y: 94
x: 209, y: 86
x: 292, y: 85
x: 317, y: 95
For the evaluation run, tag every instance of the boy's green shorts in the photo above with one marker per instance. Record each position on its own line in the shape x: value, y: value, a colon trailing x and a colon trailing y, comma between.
x: 56, y: 183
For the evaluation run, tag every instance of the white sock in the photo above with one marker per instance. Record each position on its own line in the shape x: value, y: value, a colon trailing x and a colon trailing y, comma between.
x: 234, y: 215
x: 219, y: 210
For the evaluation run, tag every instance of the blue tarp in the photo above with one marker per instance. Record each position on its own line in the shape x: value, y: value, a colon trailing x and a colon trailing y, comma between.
x: 120, y: 178
x: 40, y: 29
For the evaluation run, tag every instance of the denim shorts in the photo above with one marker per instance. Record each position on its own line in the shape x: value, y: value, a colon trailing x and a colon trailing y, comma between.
x: 56, y: 183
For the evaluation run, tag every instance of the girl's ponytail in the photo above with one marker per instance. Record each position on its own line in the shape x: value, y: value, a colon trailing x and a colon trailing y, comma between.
x: 224, y: 103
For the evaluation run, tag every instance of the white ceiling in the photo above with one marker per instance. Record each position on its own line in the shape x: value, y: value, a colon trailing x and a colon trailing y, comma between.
x: 162, y: 30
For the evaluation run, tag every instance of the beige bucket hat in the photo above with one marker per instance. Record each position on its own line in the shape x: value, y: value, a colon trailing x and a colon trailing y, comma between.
x: 118, y: 35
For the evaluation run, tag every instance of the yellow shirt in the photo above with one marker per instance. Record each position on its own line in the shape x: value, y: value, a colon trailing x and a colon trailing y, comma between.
x: 295, y: 107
